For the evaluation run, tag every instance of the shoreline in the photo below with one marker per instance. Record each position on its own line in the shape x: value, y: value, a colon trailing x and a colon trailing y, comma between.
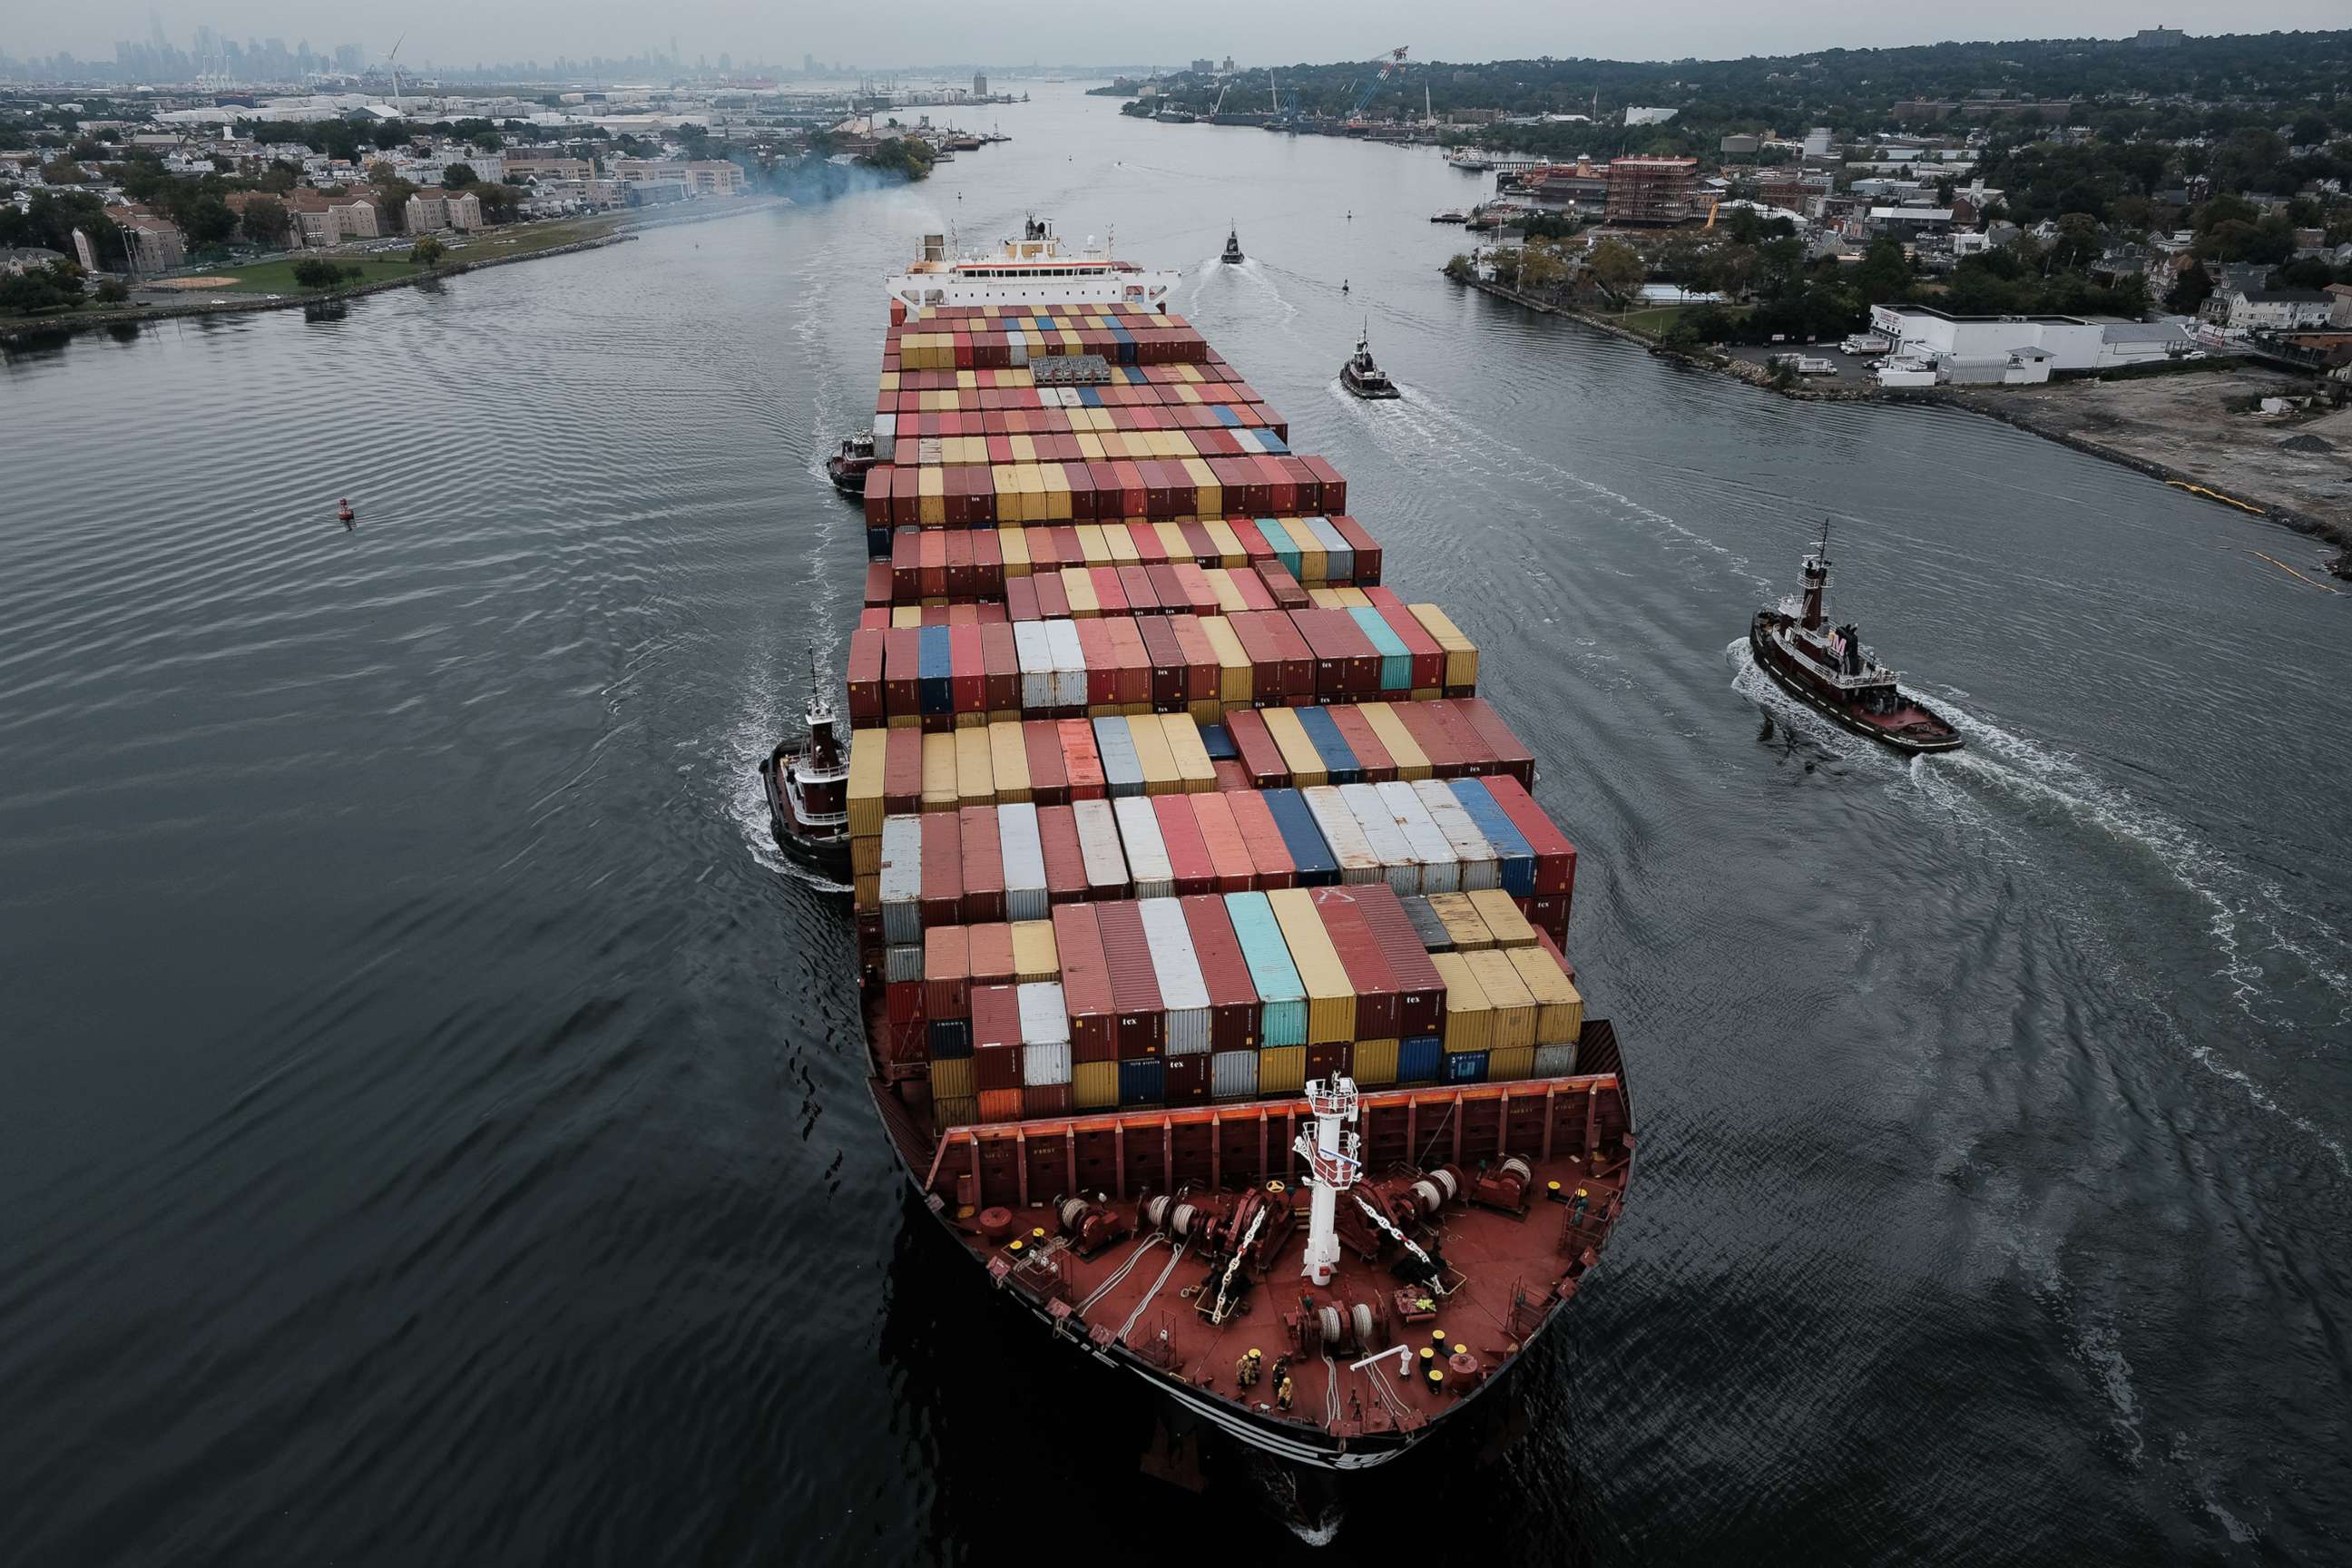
x: 20, y: 335
x: 2336, y: 534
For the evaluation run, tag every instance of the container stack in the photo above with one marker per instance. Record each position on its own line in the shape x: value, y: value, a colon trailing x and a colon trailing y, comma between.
x: 1158, y: 796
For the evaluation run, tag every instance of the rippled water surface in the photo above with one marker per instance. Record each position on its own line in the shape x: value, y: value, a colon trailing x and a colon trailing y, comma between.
x: 432, y: 1130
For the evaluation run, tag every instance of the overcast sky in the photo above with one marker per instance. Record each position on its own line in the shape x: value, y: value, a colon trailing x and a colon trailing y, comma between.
x: 919, y: 32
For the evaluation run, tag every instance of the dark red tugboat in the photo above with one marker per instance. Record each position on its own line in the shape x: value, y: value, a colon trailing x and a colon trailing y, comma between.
x: 1834, y: 672
x: 807, y: 788
x: 848, y: 466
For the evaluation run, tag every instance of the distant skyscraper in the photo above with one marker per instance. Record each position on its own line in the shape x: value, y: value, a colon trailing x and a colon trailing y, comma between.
x: 808, y: 64
x: 979, y: 85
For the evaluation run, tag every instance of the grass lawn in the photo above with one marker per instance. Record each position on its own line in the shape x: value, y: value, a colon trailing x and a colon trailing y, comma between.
x: 277, y: 277
x: 1659, y: 320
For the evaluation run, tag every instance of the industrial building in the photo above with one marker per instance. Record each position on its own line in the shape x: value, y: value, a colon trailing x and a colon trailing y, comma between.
x: 2017, y: 350
x: 1651, y: 190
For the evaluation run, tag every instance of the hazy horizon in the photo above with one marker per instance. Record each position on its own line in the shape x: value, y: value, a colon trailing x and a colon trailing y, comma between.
x: 447, y: 34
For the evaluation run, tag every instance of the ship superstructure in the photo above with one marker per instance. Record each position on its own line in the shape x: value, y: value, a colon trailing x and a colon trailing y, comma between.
x: 1033, y: 270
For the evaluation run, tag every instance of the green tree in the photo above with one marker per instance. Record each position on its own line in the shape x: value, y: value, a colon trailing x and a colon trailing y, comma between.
x: 498, y: 202
x: 113, y: 291
x: 1541, y: 266
x: 2190, y: 290
x: 266, y: 222
x: 317, y: 272
x: 63, y: 171
x: 458, y: 176
x: 1616, y: 268
x: 2130, y: 297
x: 206, y: 220
x: 1883, y: 273
x: 1460, y: 269
x: 55, y: 286
x: 426, y: 251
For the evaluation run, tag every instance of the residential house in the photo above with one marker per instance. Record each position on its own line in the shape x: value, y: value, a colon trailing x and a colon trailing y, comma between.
x: 2268, y: 310
x: 434, y: 209
x: 2339, y: 313
x: 153, y: 241
x: 21, y: 259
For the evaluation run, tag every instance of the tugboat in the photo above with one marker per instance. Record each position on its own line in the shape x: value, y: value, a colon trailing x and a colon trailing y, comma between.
x: 807, y: 786
x: 1834, y: 673
x: 846, y: 467
x: 1362, y: 377
x: 1232, y: 256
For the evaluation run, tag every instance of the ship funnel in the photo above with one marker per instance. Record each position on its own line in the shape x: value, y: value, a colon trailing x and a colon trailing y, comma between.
x: 935, y: 247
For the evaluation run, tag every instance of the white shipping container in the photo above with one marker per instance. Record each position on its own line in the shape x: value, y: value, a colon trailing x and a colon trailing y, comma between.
x: 1177, y: 968
x: 1146, y: 851
x: 903, y: 965
x: 1025, y: 862
x: 902, y: 879
x: 1233, y: 1073
x: 1338, y: 556
x: 1044, y: 1020
x: 1098, y: 847
x: 1069, y: 664
x: 1383, y: 836
x: 886, y: 436
x: 1035, y: 651
x: 1481, y: 867
x: 1441, y: 872
x: 1556, y: 1061
x: 1345, y: 836
x: 1046, y: 1065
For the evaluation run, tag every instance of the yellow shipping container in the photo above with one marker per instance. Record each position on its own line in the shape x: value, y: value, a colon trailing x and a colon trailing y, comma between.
x: 1298, y: 752
x: 865, y: 783
x: 1094, y: 1086
x: 975, y: 774
x: 1503, y: 918
x: 1205, y: 481
x: 967, y: 379
x: 1013, y: 544
x: 1515, y: 1009
x: 1353, y: 598
x: 1460, y: 653
x: 865, y: 892
x: 1090, y: 444
x: 1119, y: 540
x: 1232, y: 664
x: 906, y: 720
x: 1324, y: 598
x: 1230, y: 553
x: 866, y: 857
x: 932, y: 501
x: 1025, y: 449
x: 889, y: 381
x: 1314, y: 565
x: 1172, y: 540
x: 940, y: 772
x: 1008, y: 493
x: 1506, y: 1064
x: 1092, y: 547
x: 1281, y: 1069
x: 1374, y: 1063
x: 1463, y: 923
x: 1330, y: 995
x: 1034, y: 958
x: 1469, y: 1016
x: 1078, y: 587
x: 1008, y: 760
x: 1032, y: 491
x: 954, y: 1079
x: 1560, y: 1006
x: 1153, y: 755
x: 1057, y: 492
x: 1229, y: 598
x: 1196, y: 773
x: 958, y: 1113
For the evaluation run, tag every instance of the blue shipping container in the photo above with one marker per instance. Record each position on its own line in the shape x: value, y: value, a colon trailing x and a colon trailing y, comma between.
x: 1217, y: 742
x: 949, y: 1038
x: 1146, y: 1083
x: 1466, y: 1066
x: 1318, y: 868
x: 1286, y: 549
x: 1282, y: 1013
x: 1420, y: 1060
x: 1122, y: 769
x: 1511, y: 847
x: 932, y: 692
x: 1339, y: 759
x: 1396, y: 659
x: 1225, y: 415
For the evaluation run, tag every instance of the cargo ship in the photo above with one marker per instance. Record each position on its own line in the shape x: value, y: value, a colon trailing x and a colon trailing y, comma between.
x: 1831, y: 671
x: 1211, y: 939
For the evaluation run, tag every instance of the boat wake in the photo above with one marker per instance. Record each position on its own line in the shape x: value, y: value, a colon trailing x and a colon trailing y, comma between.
x: 2248, y: 917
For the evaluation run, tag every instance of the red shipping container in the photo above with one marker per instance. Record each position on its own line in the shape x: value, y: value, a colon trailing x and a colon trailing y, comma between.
x: 947, y: 973
x: 983, y: 864
x: 1297, y: 659
x: 1053, y: 599
x: 995, y: 1012
x: 1188, y: 856
x: 1135, y: 587
x: 998, y: 1068
x: 1131, y: 680
x: 1110, y: 595
x: 1306, y: 486
x: 1021, y: 599
x: 1261, y: 759
x: 1221, y: 840
x: 932, y: 563
x: 992, y: 953
x: 1187, y: 1080
x: 1510, y: 753
x: 1132, y: 497
x: 1066, y: 862
x: 1142, y: 1024
x: 1282, y: 489
x: 1428, y: 658
x: 904, y: 1002
x: 1275, y: 576
x: 878, y: 583
x: 943, y: 869
x: 902, y: 773
x: 1360, y: 954
x: 1166, y: 658
x: 961, y: 583
x: 1041, y: 1101
x: 967, y: 672
x: 1332, y: 497
x: 1555, y: 856
x: 874, y: 618
x: 1049, y: 781
x: 1445, y: 759
x: 865, y: 666
x: 1477, y: 756
x: 1549, y: 915
x: 1264, y: 657
x: 1268, y: 852
x: 1347, y: 664
x: 1200, y: 659
x: 902, y: 657
x: 987, y: 564
x: 879, y: 512
x: 1367, y: 551
x: 1149, y: 549
x: 1234, y: 1012
x: 1086, y: 980
x: 1330, y: 1060
x: 1081, y: 764
x: 1205, y: 549
x: 1166, y: 589
x: 1420, y: 993
x: 1000, y: 661
x: 1102, y: 666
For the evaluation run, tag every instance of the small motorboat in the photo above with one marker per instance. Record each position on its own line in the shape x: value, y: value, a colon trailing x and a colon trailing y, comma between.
x: 807, y: 789
x: 1831, y: 671
x: 344, y: 512
x: 848, y: 467
x: 1232, y: 256
x: 1362, y: 377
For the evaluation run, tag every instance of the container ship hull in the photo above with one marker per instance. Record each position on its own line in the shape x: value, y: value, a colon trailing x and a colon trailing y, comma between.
x: 1211, y: 942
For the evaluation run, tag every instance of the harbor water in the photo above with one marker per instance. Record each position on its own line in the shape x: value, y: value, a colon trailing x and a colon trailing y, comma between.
x: 434, y: 1129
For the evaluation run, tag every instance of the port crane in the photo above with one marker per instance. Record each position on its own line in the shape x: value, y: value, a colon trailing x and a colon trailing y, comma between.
x: 1388, y: 63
